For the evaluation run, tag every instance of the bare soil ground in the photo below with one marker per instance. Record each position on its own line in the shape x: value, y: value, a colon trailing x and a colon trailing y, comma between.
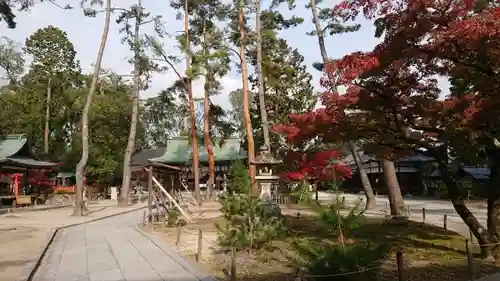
x: 430, y: 253
x: 19, y: 246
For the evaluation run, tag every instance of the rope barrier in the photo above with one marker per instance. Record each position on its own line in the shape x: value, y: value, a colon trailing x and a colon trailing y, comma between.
x: 195, y: 232
x: 341, y: 274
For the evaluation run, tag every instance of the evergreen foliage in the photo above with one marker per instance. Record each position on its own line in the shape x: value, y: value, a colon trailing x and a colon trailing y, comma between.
x: 246, y: 225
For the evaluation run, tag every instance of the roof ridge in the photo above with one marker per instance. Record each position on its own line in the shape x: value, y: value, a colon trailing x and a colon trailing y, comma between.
x: 14, y: 136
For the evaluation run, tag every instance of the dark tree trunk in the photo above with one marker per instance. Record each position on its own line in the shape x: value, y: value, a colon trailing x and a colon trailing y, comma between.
x: 365, y: 181
x: 493, y: 222
x: 206, y: 127
x: 462, y: 210
x: 46, y: 133
x: 262, y: 97
x: 394, y: 192
x: 192, y: 112
x: 123, y: 200
x: 208, y: 144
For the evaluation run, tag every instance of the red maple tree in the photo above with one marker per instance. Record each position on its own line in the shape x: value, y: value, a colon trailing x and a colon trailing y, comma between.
x: 393, y: 101
x: 323, y: 165
x: 423, y: 39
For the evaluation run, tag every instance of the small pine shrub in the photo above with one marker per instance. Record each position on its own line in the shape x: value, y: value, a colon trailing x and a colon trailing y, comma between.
x: 301, y: 193
x: 173, y: 217
x: 324, y: 260
x: 240, y: 178
x: 245, y: 226
x: 328, y: 260
x: 331, y: 219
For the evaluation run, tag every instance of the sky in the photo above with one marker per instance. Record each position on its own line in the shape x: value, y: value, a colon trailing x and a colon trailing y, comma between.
x: 85, y: 33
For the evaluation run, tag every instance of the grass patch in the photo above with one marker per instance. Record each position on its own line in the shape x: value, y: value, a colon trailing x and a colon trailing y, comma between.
x: 430, y: 252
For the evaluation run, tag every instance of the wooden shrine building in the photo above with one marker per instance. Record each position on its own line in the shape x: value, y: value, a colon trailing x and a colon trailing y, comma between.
x: 140, y: 160
x: 174, y: 167
x: 171, y: 174
x: 19, y: 170
x: 410, y: 171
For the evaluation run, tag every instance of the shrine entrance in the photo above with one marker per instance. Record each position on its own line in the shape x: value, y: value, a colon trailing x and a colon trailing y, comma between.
x: 171, y: 177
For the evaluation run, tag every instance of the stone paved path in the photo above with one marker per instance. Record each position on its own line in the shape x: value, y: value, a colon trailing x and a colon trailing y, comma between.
x: 113, y: 249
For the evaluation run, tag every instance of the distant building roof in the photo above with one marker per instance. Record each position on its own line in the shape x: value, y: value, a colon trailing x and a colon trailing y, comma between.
x: 417, y: 158
x: 11, y: 145
x: 15, y: 151
x: 368, y: 157
x: 349, y: 159
x: 478, y: 173
x: 141, y: 157
x: 65, y: 174
x: 179, y: 151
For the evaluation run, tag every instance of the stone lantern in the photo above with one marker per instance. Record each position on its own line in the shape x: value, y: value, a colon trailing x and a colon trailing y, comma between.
x: 264, y: 163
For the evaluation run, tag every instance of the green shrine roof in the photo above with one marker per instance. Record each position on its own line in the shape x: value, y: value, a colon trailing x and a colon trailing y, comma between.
x: 15, y: 151
x: 179, y: 151
x: 11, y: 145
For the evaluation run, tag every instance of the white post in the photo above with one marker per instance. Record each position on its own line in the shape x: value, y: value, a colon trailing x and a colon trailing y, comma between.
x: 114, y: 193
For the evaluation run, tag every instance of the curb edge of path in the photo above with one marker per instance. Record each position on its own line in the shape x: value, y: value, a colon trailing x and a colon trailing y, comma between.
x: 30, y: 269
x: 194, y: 269
x: 34, y: 209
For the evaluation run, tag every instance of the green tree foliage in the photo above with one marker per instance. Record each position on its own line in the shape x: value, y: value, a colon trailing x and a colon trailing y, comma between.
x: 52, y: 53
x: 240, y: 178
x: 106, y: 156
x: 22, y: 111
x: 167, y: 114
x: 11, y: 58
x: 162, y: 117
x: 53, y: 65
x: 236, y: 113
x: 318, y: 258
x: 246, y: 225
x: 287, y: 84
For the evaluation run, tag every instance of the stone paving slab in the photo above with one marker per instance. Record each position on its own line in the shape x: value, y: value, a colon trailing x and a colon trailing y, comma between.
x: 113, y: 249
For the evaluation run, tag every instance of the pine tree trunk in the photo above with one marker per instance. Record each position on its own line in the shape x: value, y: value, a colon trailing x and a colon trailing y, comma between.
x: 319, y: 32
x: 246, y: 102
x: 208, y: 143
x: 129, y: 150
x: 46, y: 133
x: 192, y: 113
x: 394, y: 192
x: 262, y: 97
x: 365, y: 181
x: 206, y: 123
x: 80, y: 168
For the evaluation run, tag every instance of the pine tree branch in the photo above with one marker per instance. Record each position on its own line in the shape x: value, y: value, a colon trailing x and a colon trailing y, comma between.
x: 166, y: 60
